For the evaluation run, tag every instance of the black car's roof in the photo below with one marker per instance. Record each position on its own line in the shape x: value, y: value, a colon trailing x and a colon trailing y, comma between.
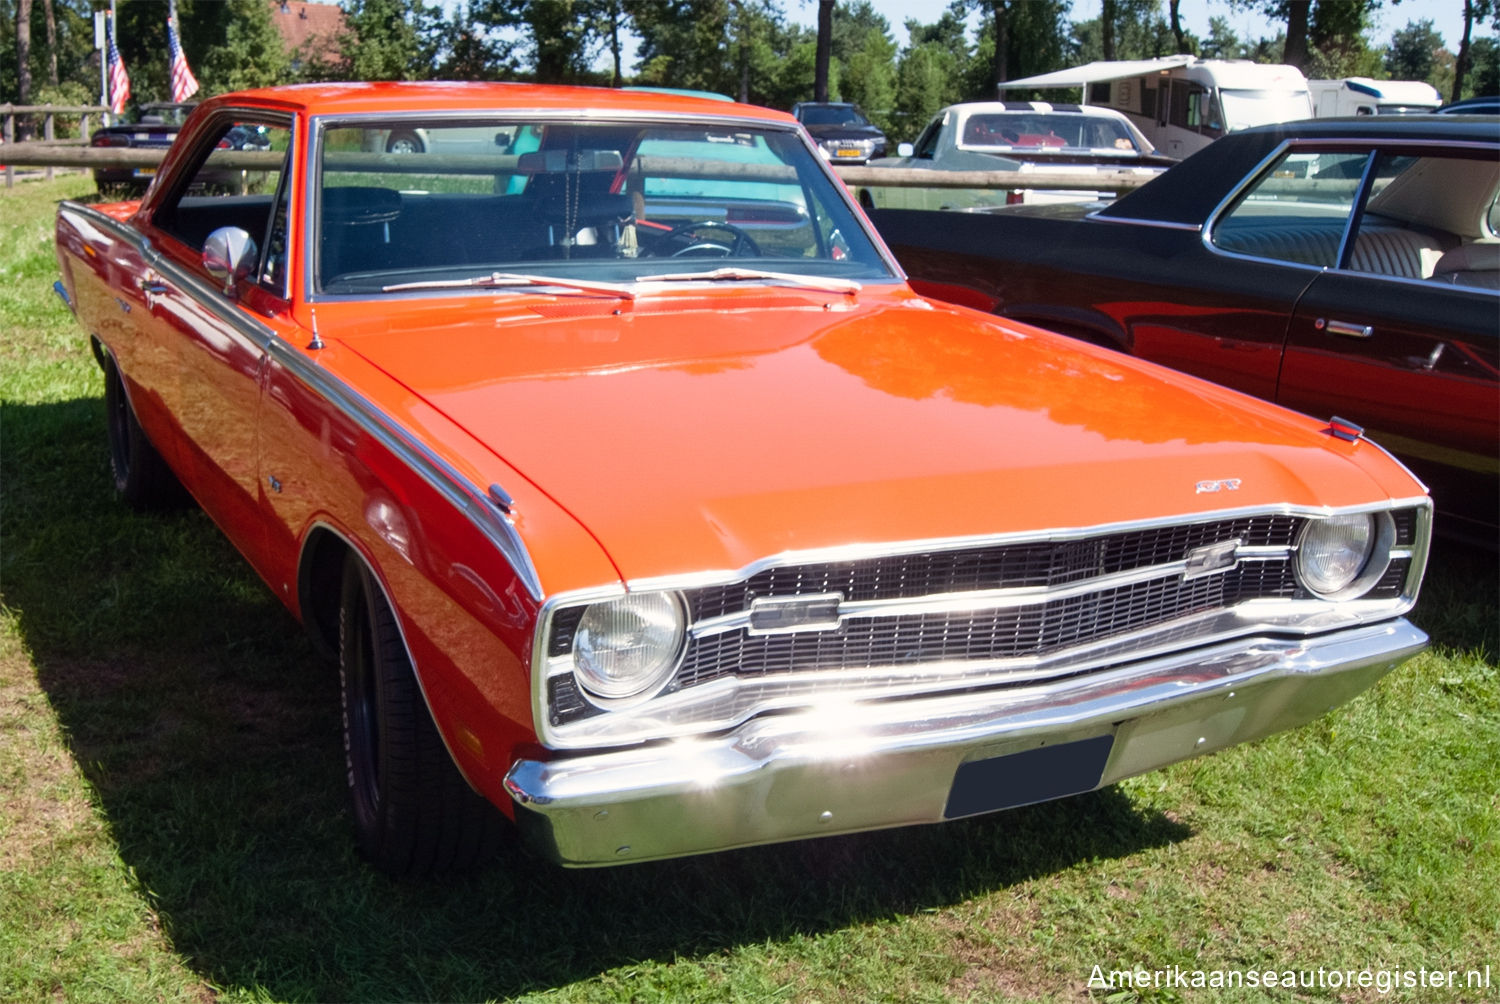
x: 1189, y: 191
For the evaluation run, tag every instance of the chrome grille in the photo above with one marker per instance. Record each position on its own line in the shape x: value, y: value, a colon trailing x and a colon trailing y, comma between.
x: 988, y: 635
x: 1042, y: 564
x: 1112, y: 623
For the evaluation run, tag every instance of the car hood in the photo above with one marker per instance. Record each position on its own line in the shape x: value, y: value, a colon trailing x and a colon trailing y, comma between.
x: 702, y: 434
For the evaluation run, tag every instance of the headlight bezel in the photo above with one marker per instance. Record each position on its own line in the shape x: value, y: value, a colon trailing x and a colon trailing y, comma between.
x: 1372, y: 565
x: 595, y: 684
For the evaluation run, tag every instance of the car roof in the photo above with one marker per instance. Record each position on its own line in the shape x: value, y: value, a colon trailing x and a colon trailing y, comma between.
x: 1031, y: 108
x: 1198, y: 184
x: 496, y: 98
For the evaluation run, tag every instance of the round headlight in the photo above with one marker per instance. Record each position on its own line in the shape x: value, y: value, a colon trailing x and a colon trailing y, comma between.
x: 625, y: 647
x: 1333, y: 551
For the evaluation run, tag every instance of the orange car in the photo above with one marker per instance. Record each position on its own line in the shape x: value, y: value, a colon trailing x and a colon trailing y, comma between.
x: 640, y: 500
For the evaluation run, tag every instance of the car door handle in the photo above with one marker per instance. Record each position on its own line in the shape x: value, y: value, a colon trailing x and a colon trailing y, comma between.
x: 1344, y: 328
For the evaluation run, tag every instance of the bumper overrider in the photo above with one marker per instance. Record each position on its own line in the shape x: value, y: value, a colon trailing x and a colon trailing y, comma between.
x: 841, y: 767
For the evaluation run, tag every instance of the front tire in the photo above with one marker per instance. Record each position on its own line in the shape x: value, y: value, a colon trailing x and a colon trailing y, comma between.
x: 405, y: 142
x: 413, y: 812
x: 141, y: 477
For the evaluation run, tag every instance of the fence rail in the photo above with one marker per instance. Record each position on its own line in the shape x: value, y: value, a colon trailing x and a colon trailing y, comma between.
x: 55, y: 155
x: 49, y: 113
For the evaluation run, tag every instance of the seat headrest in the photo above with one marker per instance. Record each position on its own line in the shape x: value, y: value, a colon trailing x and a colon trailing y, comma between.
x: 360, y: 204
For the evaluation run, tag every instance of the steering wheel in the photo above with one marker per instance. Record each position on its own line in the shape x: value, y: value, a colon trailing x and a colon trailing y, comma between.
x: 696, y: 246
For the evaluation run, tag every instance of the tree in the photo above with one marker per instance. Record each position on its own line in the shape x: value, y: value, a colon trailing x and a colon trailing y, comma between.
x: 23, y: 59
x: 868, y: 76
x: 1484, y: 58
x: 388, y: 40
x: 245, y: 49
x: 1222, y: 42
x: 1474, y: 10
x: 926, y: 80
x: 1412, y: 53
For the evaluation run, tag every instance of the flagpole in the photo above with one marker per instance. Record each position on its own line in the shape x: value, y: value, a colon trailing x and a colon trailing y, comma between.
x: 109, y: 38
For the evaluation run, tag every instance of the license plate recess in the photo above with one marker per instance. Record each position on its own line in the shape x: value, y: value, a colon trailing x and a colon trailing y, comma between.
x: 1035, y: 775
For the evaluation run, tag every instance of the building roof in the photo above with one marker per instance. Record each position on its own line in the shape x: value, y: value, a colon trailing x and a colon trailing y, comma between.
x: 310, y: 30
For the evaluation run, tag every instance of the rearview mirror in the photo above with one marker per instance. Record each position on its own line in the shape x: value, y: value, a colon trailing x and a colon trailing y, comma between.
x: 229, y: 254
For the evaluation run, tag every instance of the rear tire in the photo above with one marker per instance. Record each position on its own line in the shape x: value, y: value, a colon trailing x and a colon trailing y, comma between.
x: 414, y: 814
x: 140, y: 475
x: 404, y: 142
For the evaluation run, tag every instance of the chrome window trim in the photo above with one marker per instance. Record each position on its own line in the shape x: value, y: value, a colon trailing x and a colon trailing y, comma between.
x: 1098, y: 217
x: 468, y: 498
x: 1375, y: 146
x: 1304, y: 617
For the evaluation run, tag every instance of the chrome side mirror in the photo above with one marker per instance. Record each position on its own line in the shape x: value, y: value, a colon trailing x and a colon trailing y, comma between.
x: 905, y: 150
x: 229, y: 254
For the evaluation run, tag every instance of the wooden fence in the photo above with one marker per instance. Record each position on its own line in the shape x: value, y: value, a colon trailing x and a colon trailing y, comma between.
x: 49, y: 113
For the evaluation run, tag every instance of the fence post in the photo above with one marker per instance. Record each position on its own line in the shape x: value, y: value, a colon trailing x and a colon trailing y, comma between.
x: 49, y: 133
x: 10, y: 137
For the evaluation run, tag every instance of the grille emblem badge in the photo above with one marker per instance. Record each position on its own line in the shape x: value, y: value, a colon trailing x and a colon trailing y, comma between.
x: 788, y: 614
x: 1211, y: 558
x: 1220, y: 485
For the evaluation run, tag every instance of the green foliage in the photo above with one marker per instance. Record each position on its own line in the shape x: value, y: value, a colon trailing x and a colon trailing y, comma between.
x: 389, y: 40
x: 243, y: 48
x: 1413, y: 52
x: 1484, y: 74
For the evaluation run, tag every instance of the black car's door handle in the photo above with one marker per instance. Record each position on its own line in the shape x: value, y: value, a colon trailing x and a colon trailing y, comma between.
x: 1344, y: 328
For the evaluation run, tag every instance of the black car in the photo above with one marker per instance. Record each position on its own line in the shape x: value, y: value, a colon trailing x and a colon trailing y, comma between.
x: 154, y: 126
x: 841, y: 131
x: 1344, y: 267
x: 1472, y: 106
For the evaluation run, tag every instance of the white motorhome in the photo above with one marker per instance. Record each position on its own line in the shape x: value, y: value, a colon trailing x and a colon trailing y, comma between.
x: 1183, y: 103
x: 1363, y: 96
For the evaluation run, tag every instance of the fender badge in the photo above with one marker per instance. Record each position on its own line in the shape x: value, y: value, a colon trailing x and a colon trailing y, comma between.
x: 1221, y: 485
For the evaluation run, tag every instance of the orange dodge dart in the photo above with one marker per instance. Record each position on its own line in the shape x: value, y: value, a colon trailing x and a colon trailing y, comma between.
x: 639, y: 499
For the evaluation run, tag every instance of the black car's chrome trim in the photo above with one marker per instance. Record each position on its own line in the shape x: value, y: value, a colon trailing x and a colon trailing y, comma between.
x: 1135, y: 221
x: 448, y: 482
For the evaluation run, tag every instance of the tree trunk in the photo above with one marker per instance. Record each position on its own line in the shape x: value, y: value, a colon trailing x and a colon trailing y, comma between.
x: 51, y: 43
x: 1174, y: 9
x: 1461, y: 61
x: 825, y: 50
x: 1107, y: 29
x: 616, y: 79
x: 23, y: 65
x: 1000, y: 69
x: 1296, y: 33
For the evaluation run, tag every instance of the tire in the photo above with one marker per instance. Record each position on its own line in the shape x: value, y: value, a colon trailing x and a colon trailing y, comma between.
x: 414, y: 815
x: 404, y: 142
x: 141, y: 477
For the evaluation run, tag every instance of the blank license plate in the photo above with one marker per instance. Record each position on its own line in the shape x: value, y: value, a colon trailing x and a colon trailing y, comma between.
x: 1038, y: 775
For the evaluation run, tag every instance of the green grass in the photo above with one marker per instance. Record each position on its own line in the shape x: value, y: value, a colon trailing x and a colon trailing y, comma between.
x: 172, y: 819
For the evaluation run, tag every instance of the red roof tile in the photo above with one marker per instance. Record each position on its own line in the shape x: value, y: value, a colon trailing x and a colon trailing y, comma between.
x: 311, y: 28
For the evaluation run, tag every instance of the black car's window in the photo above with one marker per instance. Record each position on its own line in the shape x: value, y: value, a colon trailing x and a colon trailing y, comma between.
x: 235, y: 183
x: 1426, y: 213
x: 607, y: 201
x: 1297, y: 211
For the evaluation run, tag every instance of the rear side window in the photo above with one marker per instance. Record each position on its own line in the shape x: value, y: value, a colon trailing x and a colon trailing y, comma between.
x: 1296, y: 212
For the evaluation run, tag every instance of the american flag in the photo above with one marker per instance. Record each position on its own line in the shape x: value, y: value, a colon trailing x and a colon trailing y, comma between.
x: 184, y: 84
x: 119, y: 80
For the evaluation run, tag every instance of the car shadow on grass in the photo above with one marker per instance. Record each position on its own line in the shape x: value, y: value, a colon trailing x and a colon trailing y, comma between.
x: 209, y: 730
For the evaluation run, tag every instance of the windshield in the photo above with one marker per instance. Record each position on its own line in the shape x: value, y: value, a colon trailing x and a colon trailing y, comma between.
x: 412, y: 204
x: 831, y: 115
x: 1243, y: 109
x: 1041, y: 131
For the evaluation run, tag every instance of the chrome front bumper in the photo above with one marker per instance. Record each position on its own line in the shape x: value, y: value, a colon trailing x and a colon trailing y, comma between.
x: 840, y: 768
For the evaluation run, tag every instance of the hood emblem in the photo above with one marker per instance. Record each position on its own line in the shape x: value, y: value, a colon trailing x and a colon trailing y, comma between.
x: 1220, y: 485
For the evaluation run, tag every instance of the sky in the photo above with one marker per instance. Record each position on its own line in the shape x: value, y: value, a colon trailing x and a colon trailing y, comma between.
x: 1446, y: 16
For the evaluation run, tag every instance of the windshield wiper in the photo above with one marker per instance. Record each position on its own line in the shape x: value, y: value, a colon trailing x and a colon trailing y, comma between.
x: 498, y: 280
x: 825, y: 283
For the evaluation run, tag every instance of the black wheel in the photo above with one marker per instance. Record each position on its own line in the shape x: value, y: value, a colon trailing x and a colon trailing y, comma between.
x: 405, y: 142
x: 413, y: 812
x: 141, y: 476
x: 694, y: 244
